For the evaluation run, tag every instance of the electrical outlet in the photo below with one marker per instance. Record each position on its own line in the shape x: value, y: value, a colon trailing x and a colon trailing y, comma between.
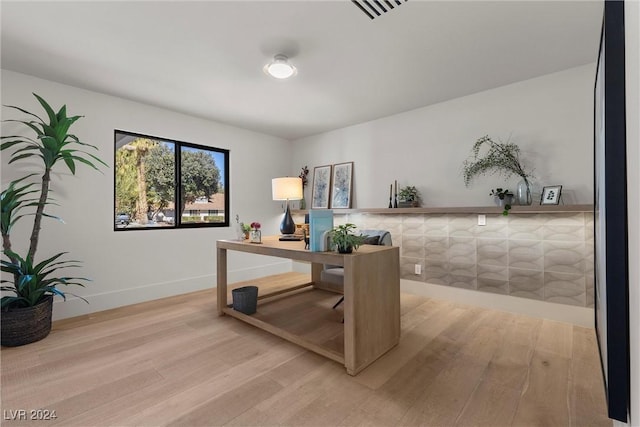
x: 418, y: 269
x: 482, y: 220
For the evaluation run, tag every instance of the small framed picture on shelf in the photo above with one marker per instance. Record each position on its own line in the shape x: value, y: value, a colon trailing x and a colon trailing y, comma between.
x: 320, y: 192
x: 341, y: 188
x: 551, y: 195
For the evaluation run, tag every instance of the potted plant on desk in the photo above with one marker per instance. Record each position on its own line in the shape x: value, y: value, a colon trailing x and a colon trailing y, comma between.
x: 246, y: 229
x: 344, y: 239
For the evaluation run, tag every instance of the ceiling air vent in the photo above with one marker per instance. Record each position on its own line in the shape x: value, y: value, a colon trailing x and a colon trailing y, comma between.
x: 376, y: 8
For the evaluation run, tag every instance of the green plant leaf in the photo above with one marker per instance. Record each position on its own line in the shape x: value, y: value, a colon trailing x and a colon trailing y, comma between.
x: 77, y: 141
x: 18, y: 139
x: 21, y: 156
x: 11, y: 301
x: 62, y: 113
x: 31, y: 125
x: 57, y: 218
x: 22, y: 110
x: 13, y: 200
x: 85, y: 161
x: 53, y: 290
x: 26, y: 149
x: 78, y: 296
x: 47, y: 261
x: 52, y: 116
x: 70, y: 164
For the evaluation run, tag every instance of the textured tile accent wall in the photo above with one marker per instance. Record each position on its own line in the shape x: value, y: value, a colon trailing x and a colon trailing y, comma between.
x: 546, y: 256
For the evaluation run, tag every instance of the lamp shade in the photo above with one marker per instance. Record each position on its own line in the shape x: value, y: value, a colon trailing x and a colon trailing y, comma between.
x: 286, y: 188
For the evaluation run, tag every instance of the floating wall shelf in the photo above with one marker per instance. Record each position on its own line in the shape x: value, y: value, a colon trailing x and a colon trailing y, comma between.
x: 533, y: 209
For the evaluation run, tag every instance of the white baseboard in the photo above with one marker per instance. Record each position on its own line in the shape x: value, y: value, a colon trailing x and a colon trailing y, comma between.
x: 104, y: 301
x: 277, y: 267
x: 122, y: 297
x: 301, y: 267
x: 580, y: 316
x: 617, y: 423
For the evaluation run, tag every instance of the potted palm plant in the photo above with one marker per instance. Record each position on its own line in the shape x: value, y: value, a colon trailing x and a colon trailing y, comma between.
x: 344, y: 239
x: 26, y: 313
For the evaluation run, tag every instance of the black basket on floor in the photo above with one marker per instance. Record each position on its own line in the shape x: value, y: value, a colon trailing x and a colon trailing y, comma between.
x: 245, y: 299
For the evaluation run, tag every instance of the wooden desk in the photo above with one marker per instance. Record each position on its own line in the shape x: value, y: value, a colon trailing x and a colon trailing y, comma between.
x: 371, y: 296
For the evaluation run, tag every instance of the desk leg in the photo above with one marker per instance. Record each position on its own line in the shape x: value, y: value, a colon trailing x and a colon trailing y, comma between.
x: 316, y: 269
x: 371, y: 307
x: 222, y: 280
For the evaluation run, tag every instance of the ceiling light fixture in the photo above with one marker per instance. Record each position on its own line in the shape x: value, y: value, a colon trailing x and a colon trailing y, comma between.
x: 280, y: 67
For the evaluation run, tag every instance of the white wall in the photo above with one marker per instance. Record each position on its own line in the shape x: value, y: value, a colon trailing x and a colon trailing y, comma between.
x: 632, y: 40
x: 129, y: 267
x: 549, y: 117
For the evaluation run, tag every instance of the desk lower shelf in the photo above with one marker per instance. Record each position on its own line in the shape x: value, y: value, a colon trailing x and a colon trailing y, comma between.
x: 302, y: 316
x: 371, y: 299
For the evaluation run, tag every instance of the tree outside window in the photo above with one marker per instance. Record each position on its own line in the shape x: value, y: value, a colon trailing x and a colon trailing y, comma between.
x: 150, y: 177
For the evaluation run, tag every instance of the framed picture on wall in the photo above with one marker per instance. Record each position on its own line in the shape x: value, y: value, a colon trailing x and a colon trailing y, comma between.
x: 341, y: 188
x: 551, y: 195
x: 321, y: 189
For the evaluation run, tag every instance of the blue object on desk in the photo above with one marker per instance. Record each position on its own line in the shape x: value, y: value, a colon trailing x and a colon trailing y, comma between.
x: 320, y: 221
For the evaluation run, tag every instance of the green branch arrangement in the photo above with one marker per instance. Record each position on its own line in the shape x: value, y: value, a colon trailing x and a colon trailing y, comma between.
x: 500, y: 157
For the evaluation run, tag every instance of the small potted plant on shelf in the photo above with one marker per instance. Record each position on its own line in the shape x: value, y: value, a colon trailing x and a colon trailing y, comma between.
x: 344, y: 239
x: 503, y: 198
x: 409, y: 197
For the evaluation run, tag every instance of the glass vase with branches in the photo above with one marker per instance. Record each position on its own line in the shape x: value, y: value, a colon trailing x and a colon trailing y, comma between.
x: 499, y: 157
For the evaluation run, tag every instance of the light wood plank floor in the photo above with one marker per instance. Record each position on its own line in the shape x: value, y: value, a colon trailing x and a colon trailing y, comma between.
x: 174, y: 362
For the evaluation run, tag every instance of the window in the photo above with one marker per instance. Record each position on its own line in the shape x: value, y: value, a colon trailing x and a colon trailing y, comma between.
x: 161, y: 183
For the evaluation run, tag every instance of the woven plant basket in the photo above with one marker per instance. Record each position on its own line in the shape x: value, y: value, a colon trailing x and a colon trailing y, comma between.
x: 22, y: 326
